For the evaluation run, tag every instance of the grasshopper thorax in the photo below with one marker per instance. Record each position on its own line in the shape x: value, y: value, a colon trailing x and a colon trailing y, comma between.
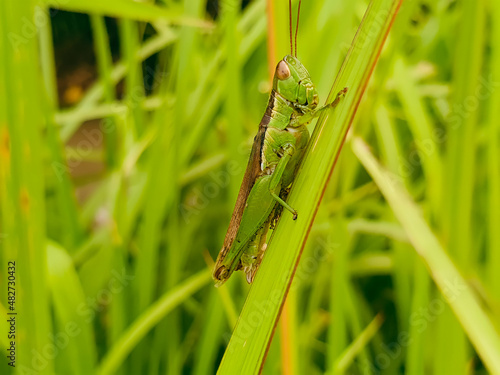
x: 292, y: 82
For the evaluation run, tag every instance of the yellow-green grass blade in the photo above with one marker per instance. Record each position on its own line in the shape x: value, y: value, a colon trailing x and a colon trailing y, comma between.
x: 128, y: 9
x: 149, y: 319
x: 448, y: 279
x: 232, y: 80
x: 5, y: 327
x: 494, y: 158
x: 73, y: 334
x: 459, y: 199
x: 23, y: 220
x: 247, y: 349
x: 346, y: 359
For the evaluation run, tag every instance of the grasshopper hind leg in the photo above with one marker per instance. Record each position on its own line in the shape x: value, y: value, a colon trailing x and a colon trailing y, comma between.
x: 256, y: 248
x: 254, y: 252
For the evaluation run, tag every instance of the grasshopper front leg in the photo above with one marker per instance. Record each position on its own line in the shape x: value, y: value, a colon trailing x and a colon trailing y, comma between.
x: 309, y: 116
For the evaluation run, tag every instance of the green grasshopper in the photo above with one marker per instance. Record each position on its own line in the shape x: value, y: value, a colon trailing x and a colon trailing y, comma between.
x: 277, y: 151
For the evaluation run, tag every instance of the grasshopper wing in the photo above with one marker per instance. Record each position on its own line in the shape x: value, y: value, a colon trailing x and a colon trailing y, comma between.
x: 252, y: 172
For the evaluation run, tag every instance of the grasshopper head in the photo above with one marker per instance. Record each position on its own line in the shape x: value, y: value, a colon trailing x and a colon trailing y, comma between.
x: 292, y: 81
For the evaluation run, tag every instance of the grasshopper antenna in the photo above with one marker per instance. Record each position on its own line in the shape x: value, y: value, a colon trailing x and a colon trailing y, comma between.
x: 291, y: 32
x: 296, y: 27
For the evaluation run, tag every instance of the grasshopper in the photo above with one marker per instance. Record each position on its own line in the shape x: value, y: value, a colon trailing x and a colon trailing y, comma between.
x: 277, y: 151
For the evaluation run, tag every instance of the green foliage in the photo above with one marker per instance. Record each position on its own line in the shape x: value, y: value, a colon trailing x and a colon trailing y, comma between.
x: 398, y: 269
x: 250, y: 341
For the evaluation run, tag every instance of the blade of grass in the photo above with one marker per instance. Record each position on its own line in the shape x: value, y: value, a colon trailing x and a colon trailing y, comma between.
x: 233, y: 88
x: 419, y: 302
x: 206, y: 351
x: 69, y: 231
x: 371, y: 264
x: 134, y: 10
x: 340, y: 278
x: 391, y: 151
x: 451, y: 349
x: 176, y: 121
x: 358, y: 315
x: 5, y: 326
x: 78, y: 355
x: 23, y: 196
x: 134, y: 79
x: 347, y: 357
x: 463, y: 129
x: 290, y: 358
x: 147, y: 320
x: 422, y: 128
x: 494, y: 158
x: 247, y: 349
x: 452, y: 285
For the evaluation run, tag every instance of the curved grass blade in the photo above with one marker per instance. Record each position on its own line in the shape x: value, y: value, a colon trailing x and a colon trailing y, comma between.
x: 448, y: 279
x: 128, y: 9
x: 348, y: 356
x: 151, y: 317
x: 251, y: 338
x: 79, y: 353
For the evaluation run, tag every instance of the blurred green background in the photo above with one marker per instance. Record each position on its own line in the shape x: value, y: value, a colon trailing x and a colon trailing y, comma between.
x: 125, y: 129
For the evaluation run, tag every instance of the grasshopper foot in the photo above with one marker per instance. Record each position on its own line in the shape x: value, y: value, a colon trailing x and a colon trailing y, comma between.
x: 339, y: 96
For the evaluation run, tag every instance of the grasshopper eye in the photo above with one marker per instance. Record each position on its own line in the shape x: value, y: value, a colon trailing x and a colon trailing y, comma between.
x: 282, y: 70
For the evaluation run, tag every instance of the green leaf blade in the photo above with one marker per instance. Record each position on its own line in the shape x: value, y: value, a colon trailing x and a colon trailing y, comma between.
x: 251, y: 338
